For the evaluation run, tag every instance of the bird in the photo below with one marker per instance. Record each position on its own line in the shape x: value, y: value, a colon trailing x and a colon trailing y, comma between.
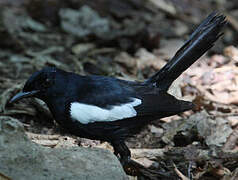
x: 111, y: 109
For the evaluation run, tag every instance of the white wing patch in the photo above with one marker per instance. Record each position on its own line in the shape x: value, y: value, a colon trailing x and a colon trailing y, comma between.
x: 85, y: 113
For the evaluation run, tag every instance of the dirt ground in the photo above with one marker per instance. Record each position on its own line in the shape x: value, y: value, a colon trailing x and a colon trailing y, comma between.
x: 130, y: 40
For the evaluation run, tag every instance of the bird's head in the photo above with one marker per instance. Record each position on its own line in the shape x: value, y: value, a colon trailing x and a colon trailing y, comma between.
x: 41, y: 84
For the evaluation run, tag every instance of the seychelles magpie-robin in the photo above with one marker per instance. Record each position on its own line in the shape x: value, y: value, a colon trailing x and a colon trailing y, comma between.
x: 110, y: 109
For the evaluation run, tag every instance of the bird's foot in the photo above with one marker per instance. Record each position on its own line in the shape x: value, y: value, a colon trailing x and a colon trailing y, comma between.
x: 122, y: 152
x: 125, y: 160
x: 132, y: 167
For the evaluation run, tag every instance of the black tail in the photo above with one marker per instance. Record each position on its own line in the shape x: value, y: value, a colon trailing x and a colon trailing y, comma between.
x: 201, y: 40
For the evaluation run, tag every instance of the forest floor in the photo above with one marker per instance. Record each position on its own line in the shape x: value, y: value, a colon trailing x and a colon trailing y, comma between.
x: 129, y: 40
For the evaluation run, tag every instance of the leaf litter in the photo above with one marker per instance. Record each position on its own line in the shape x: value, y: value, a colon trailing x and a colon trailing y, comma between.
x: 130, y: 40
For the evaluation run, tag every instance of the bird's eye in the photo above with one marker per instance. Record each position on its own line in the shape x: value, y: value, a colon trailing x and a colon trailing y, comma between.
x: 47, y: 83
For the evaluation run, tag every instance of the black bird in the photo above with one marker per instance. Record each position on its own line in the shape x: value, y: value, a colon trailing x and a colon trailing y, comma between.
x: 110, y: 109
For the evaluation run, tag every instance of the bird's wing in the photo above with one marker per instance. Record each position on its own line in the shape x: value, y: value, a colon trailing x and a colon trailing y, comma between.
x: 104, y: 99
x: 109, y: 99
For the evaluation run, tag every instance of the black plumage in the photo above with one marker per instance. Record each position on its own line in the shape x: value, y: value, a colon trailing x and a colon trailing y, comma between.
x: 109, y: 109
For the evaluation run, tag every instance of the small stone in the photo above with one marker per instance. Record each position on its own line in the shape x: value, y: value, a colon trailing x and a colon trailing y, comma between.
x: 157, y: 131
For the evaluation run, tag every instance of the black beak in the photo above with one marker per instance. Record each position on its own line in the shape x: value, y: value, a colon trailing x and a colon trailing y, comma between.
x: 23, y: 95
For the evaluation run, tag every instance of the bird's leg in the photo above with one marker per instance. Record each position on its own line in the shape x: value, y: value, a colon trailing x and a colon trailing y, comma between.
x: 121, y: 149
x: 132, y: 167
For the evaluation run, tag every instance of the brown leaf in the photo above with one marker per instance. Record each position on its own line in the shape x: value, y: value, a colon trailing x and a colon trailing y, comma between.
x: 232, y: 176
x: 231, y: 52
x: 231, y: 143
